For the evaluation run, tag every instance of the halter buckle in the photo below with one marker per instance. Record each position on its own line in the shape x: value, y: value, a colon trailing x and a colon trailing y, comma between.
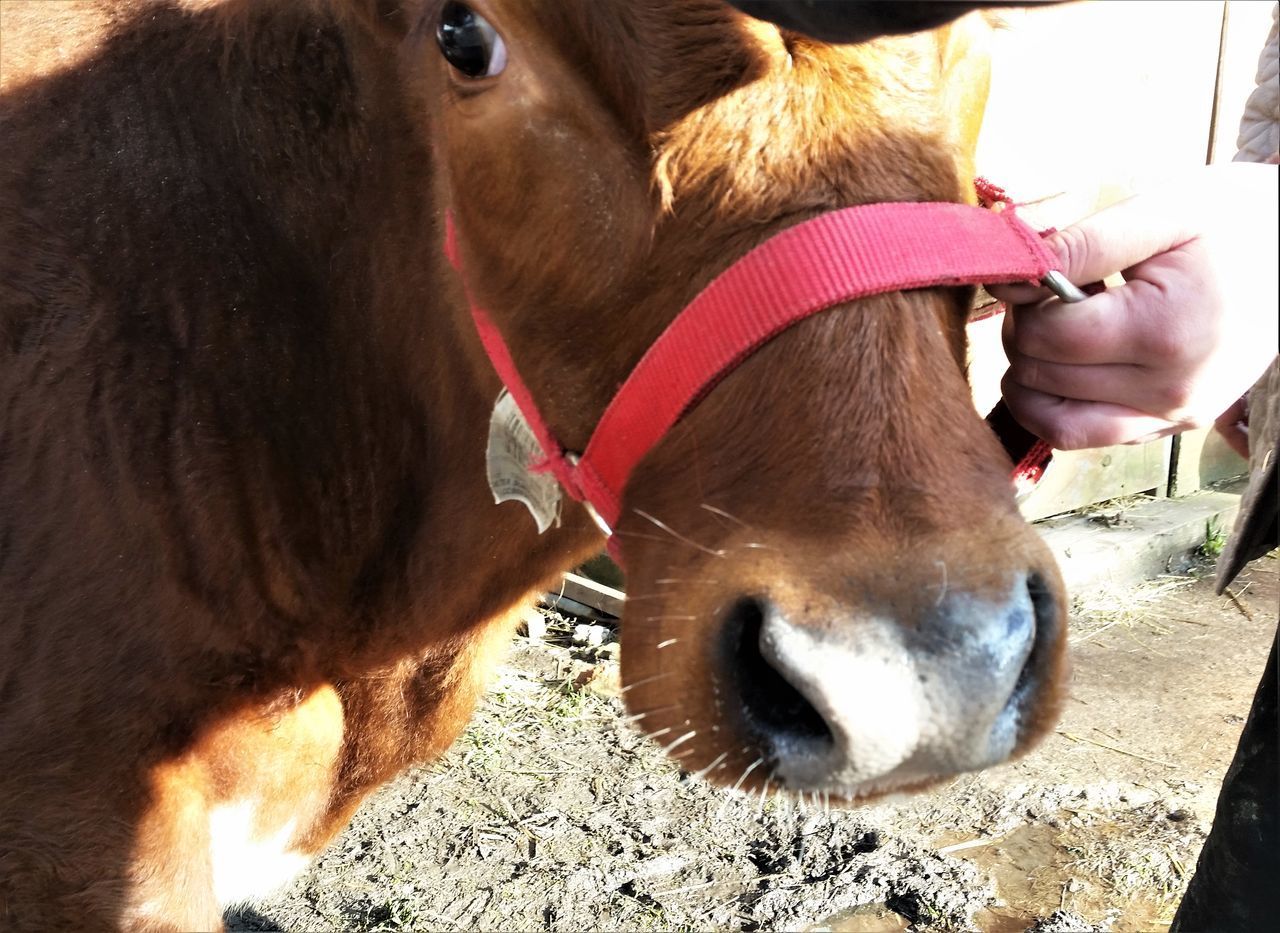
x: 1061, y: 286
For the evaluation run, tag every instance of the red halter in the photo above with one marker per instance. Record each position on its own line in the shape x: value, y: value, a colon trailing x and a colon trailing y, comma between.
x: 832, y: 259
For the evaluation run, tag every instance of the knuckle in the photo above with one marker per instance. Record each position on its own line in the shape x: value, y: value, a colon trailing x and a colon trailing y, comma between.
x: 1056, y: 427
x: 1020, y: 402
x: 1034, y: 337
x: 1075, y: 345
x: 1073, y: 247
x: 1066, y: 435
x: 1168, y: 345
x: 1025, y: 371
x: 1175, y: 396
x: 1075, y: 335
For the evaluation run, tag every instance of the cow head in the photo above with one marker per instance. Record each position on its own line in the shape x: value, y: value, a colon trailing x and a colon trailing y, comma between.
x: 830, y: 587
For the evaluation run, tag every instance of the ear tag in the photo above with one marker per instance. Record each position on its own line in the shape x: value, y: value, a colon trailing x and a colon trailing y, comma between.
x: 511, y: 451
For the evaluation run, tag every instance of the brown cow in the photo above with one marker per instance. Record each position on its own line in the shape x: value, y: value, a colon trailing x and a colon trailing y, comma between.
x: 250, y: 567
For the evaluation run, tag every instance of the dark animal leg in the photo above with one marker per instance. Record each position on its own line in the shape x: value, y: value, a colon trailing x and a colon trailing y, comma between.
x: 1235, y: 886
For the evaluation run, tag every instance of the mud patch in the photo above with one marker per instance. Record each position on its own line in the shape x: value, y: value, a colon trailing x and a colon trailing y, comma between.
x: 551, y: 813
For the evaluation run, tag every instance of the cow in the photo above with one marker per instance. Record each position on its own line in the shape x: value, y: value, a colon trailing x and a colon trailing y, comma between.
x: 251, y: 566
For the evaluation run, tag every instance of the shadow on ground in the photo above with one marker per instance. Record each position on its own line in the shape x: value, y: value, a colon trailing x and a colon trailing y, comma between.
x: 552, y: 814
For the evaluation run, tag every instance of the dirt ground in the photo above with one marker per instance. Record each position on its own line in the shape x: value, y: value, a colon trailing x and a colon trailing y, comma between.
x: 552, y: 814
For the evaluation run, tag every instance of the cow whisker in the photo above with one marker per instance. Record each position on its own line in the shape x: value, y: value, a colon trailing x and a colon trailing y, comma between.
x: 751, y: 767
x: 669, y: 581
x: 702, y: 772
x: 672, y: 618
x: 640, y: 534
x: 680, y: 741
x: 675, y: 534
x: 723, y: 514
x: 737, y: 784
x: 666, y: 644
x: 636, y: 717
x: 647, y: 680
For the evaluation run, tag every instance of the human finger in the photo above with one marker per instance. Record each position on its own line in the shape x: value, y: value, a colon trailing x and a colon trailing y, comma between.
x: 1100, y: 329
x: 1231, y: 425
x: 1072, y: 424
x: 1112, y: 239
x: 1126, y: 384
x: 1019, y: 293
x: 1117, y: 237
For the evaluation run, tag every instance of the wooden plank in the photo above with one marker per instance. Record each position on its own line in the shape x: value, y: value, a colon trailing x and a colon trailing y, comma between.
x: 1247, y: 24
x: 1204, y: 459
x: 602, y: 569
x: 1079, y: 478
x: 593, y: 594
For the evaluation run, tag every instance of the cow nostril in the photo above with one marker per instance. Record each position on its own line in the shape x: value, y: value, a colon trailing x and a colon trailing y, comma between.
x: 1042, y: 601
x: 770, y: 702
x: 1044, y: 607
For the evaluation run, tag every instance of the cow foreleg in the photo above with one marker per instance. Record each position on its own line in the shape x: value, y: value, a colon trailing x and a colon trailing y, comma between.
x: 230, y: 820
x: 411, y: 712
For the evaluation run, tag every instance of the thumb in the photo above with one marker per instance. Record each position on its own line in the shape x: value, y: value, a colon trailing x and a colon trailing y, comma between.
x: 1119, y: 237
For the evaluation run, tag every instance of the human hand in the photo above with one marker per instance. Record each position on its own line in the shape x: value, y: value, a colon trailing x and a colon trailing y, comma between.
x: 1191, y: 329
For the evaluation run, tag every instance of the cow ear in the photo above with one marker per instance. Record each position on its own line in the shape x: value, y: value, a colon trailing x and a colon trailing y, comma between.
x: 860, y: 20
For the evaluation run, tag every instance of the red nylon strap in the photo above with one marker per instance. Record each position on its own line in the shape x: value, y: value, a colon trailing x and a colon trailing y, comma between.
x: 500, y: 356
x: 829, y: 260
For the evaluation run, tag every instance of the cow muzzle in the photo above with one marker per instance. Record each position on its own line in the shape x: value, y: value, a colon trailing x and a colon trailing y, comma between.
x: 859, y: 702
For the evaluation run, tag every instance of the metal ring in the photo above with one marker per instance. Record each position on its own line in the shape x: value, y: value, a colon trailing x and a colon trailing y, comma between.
x: 574, y: 460
x: 598, y: 519
x: 1061, y: 286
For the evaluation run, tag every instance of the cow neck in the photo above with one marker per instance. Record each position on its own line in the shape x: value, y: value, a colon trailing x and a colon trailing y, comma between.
x: 829, y: 260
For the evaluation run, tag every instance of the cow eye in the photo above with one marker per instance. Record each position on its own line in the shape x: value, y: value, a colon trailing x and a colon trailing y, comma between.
x: 469, y: 43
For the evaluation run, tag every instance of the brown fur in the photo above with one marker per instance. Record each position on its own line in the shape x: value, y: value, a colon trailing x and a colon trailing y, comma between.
x: 246, y: 543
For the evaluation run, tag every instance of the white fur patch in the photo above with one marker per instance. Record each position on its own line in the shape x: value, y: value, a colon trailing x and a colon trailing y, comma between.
x: 869, y: 697
x: 900, y: 712
x: 245, y: 867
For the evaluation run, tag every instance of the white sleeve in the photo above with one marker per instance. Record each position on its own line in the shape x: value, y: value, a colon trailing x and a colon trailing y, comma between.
x: 1260, y: 125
